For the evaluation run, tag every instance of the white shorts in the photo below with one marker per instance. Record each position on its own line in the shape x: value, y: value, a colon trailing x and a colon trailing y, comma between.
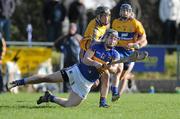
x: 78, y: 83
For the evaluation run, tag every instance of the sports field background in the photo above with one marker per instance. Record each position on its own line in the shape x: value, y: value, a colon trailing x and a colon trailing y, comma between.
x: 130, y: 106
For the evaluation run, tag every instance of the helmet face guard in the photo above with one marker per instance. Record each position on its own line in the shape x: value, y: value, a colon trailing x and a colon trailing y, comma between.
x: 104, y: 19
x: 125, y: 11
x: 103, y: 15
x: 111, y: 38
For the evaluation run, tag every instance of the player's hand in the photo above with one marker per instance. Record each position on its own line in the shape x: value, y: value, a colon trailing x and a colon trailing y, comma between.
x: 133, y: 45
x: 97, y: 65
x: 106, y: 66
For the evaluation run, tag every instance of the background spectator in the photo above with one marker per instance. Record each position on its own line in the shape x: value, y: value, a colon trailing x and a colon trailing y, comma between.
x: 69, y: 46
x: 54, y: 14
x: 7, y: 8
x: 77, y: 14
x: 170, y: 16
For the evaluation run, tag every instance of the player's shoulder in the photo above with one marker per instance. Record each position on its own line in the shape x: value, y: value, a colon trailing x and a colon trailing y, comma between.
x: 92, y: 22
x: 135, y: 21
x: 97, y: 46
x: 115, y: 20
x: 114, y: 50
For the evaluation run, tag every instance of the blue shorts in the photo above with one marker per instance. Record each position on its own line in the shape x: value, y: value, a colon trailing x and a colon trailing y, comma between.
x: 124, y: 53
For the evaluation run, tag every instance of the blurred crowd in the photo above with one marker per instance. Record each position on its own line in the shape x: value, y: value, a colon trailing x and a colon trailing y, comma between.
x: 65, y: 22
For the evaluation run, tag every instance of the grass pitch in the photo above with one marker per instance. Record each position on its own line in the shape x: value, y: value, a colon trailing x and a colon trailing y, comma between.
x: 130, y: 106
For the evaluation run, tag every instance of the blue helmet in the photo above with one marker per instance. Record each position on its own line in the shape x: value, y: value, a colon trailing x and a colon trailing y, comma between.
x: 125, y: 11
x: 112, y: 32
x: 111, y: 37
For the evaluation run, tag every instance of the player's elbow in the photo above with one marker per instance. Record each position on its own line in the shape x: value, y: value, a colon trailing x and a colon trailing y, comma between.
x: 144, y: 41
x: 87, y: 61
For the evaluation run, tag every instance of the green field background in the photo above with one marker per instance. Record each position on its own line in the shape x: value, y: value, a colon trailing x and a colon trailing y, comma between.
x: 130, y: 106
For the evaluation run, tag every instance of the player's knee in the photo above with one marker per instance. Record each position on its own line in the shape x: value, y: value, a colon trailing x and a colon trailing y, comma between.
x: 70, y: 104
x: 106, y: 75
x: 105, y: 83
x: 120, y: 68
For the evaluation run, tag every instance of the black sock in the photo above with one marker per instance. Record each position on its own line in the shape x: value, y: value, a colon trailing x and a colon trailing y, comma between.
x: 20, y: 82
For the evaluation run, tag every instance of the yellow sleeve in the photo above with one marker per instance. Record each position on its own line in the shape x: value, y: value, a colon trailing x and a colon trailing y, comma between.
x: 113, y: 24
x: 90, y: 30
x: 139, y: 28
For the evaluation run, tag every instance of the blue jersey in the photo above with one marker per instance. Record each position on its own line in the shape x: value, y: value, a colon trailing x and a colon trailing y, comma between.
x: 102, y: 55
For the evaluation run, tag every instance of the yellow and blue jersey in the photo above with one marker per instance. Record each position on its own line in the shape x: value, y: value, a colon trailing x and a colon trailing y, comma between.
x: 94, y: 31
x: 100, y: 55
x: 128, y: 31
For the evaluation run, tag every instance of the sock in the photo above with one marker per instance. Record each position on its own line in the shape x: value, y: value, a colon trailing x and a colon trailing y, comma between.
x: 20, y: 82
x: 114, y: 90
x: 51, y: 98
x: 102, y: 100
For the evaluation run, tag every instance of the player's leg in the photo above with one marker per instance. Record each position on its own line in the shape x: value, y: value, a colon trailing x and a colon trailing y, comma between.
x: 51, y: 78
x: 73, y: 99
x: 104, y: 89
x: 79, y: 85
x: 115, y: 82
x: 124, y: 77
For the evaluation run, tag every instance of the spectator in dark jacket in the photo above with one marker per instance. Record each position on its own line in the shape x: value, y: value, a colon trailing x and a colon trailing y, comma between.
x: 69, y: 47
x: 77, y: 14
x: 54, y: 14
x: 7, y: 8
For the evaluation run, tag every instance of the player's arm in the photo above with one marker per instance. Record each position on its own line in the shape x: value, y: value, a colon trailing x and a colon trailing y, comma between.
x: 87, y: 59
x: 142, y: 41
x: 4, y: 47
x: 140, y: 37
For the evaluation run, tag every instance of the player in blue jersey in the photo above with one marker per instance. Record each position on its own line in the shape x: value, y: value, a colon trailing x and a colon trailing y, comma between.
x: 80, y: 76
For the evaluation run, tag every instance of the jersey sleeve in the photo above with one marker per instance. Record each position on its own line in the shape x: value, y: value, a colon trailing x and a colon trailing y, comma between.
x: 91, y: 31
x: 93, y: 47
x: 139, y: 28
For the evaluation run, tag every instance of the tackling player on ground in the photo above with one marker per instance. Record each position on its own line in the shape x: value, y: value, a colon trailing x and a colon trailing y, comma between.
x: 80, y: 76
x: 132, y: 37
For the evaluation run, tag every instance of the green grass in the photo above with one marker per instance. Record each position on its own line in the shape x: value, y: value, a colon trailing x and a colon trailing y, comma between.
x: 130, y: 106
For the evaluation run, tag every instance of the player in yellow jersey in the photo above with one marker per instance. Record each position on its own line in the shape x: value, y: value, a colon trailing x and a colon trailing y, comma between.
x: 132, y: 37
x: 93, y: 34
x: 96, y: 27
